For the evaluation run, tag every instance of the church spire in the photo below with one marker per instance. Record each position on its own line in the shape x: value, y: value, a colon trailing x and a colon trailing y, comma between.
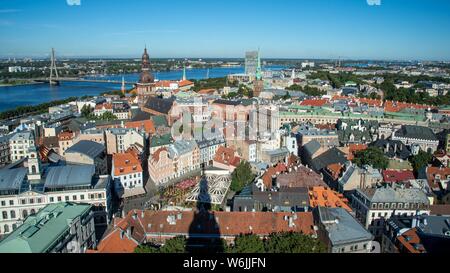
x: 258, y: 68
x: 184, y: 72
x: 123, y: 85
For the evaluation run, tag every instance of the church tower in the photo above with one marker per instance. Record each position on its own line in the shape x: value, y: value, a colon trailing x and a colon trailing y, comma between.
x: 146, y: 80
x: 258, y: 85
x: 34, y: 166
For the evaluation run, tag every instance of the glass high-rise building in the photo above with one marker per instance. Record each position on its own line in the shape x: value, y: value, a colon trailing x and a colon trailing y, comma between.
x: 251, y: 62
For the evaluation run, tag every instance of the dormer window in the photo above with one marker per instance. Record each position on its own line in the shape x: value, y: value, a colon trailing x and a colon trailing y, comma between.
x: 121, y: 170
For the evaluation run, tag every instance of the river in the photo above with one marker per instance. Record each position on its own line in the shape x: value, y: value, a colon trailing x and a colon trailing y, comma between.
x: 14, y: 96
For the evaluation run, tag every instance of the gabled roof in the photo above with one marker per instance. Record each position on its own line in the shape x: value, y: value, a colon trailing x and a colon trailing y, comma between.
x: 159, y: 105
x: 89, y: 148
x: 417, y: 132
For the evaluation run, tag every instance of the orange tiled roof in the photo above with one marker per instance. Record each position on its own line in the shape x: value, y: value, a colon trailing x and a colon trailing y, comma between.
x: 410, y: 241
x: 185, y: 83
x: 371, y: 102
x: 147, y: 125
x: 353, y: 148
x: 335, y: 170
x: 325, y: 197
x: 66, y: 135
x: 391, y: 106
x: 227, y: 156
x: 431, y: 175
x: 314, y: 102
x: 126, y: 163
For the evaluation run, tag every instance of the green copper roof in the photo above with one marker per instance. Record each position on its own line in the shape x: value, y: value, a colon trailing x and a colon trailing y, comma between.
x: 40, y: 232
x: 159, y: 121
x: 157, y: 141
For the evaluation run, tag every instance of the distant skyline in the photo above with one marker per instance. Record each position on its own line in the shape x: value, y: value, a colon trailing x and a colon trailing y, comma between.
x: 304, y: 29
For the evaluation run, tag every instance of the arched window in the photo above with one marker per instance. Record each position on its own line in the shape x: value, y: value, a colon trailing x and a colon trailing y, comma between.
x: 32, y: 212
x: 33, y: 169
x: 14, y: 227
x: 5, y: 215
x: 24, y: 213
x: 6, y: 229
x: 13, y: 214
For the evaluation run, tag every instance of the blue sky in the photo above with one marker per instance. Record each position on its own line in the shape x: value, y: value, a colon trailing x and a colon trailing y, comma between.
x: 396, y: 29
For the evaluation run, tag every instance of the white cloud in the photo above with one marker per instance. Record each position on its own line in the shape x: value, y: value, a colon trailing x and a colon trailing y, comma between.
x: 73, y: 2
x: 374, y: 2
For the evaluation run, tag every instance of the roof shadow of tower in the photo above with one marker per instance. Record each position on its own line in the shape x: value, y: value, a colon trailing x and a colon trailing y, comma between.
x: 204, y: 231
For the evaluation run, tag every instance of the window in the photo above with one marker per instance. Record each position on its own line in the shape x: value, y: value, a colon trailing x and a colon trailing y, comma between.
x: 51, y: 199
x: 82, y: 197
x: 31, y: 201
x: 5, y: 215
x: 11, y: 202
x: 66, y: 198
x: 24, y: 213
x: 12, y: 214
x: 59, y: 199
x: 74, y: 198
x: 23, y: 201
x: 3, y: 203
x: 6, y: 228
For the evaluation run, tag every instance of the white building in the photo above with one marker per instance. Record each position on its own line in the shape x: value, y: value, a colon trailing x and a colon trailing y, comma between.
x: 26, y: 187
x: 127, y: 170
x: 373, y: 206
x: 20, y: 143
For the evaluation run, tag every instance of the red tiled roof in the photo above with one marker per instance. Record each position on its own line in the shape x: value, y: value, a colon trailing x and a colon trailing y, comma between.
x: 147, y: 125
x: 185, y: 83
x: 126, y: 163
x: 314, y: 102
x: 394, y: 176
x: 66, y: 135
x: 353, y: 148
x: 224, y: 223
x: 227, y: 156
x: 433, y: 181
x: 410, y: 241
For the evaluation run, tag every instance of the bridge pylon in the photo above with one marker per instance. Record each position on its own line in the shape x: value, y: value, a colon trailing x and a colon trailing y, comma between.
x: 53, y: 67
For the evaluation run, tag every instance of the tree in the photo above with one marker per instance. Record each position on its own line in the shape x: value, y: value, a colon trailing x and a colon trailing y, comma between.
x: 422, y: 159
x: 241, y: 176
x: 86, y: 111
x: 373, y: 156
x: 248, y: 243
x: 147, y: 249
x: 290, y: 242
x: 174, y: 245
x: 108, y: 116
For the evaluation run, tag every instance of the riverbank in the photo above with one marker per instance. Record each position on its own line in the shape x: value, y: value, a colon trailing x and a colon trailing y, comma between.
x: 19, y: 84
